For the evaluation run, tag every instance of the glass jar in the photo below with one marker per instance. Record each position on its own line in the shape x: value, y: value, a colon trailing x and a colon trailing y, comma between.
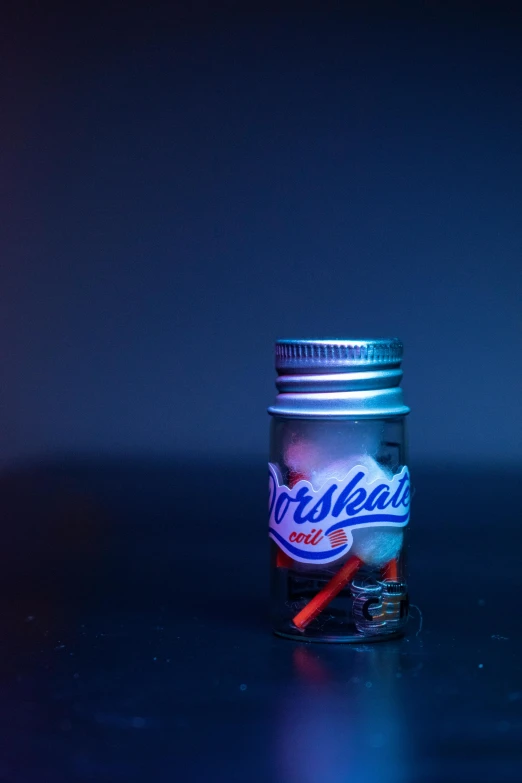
x: 339, y: 491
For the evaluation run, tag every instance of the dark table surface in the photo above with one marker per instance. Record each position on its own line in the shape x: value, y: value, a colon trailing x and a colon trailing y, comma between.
x: 136, y: 644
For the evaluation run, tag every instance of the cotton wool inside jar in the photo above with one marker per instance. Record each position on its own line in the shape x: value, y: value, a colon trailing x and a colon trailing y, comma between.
x: 318, y: 452
x: 376, y: 546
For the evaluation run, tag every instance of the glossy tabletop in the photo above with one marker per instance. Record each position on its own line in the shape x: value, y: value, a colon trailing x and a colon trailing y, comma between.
x: 136, y: 644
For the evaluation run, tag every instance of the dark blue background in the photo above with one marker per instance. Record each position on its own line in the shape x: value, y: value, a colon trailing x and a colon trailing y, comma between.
x: 182, y: 184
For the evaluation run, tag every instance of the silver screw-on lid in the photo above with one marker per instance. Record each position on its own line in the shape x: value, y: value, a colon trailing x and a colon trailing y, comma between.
x: 337, y: 354
x: 336, y: 378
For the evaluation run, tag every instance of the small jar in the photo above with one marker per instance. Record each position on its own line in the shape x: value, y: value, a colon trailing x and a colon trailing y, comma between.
x: 339, y: 491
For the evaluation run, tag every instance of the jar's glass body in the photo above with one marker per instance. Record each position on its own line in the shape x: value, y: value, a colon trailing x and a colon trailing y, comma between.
x: 360, y: 593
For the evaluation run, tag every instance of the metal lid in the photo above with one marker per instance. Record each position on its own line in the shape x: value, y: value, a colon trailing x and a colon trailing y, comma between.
x: 336, y: 355
x: 339, y: 378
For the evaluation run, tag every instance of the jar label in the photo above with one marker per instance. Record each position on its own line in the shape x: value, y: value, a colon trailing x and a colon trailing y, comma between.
x: 314, y: 526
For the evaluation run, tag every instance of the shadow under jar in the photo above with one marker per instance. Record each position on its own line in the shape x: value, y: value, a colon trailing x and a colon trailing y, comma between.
x: 339, y: 491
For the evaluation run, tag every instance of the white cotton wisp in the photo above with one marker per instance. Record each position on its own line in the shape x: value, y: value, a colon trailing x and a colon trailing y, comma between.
x: 376, y: 546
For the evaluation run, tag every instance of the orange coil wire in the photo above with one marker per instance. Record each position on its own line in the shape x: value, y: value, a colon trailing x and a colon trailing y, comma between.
x: 327, y: 594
